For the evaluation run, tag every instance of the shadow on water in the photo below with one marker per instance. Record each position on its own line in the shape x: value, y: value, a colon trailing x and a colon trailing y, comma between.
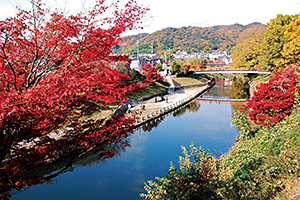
x: 42, y: 173
x: 29, y: 165
x: 190, y: 107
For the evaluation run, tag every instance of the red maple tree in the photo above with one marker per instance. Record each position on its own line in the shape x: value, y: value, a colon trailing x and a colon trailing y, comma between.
x: 151, y: 73
x: 274, y: 100
x: 54, y: 70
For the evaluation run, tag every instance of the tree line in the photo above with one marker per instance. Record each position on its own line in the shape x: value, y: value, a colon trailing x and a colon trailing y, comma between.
x: 272, y: 48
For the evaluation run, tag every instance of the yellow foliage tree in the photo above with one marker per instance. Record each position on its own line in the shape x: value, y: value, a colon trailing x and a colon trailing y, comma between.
x: 195, y: 63
x: 291, y: 50
x: 249, y: 48
x: 274, y: 41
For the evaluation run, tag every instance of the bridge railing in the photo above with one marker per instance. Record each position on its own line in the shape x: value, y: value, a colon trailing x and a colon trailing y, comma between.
x: 231, y: 69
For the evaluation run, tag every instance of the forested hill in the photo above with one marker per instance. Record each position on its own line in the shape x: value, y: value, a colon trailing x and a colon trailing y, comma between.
x: 191, y: 39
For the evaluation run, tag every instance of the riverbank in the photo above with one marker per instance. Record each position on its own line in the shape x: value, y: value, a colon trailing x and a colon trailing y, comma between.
x: 167, y: 104
x: 263, y: 165
x: 253, y: 83
x: 181, y: 91
x: 268, y: 164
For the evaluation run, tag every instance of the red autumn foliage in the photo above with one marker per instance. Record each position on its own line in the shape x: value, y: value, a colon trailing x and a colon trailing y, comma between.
x: 188, y: 67
x: 53, y: 69
x: 274, y: 100
x: 151, y: 74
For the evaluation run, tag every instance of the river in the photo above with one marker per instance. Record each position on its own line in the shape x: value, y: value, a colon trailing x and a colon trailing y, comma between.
x: 149, y: 154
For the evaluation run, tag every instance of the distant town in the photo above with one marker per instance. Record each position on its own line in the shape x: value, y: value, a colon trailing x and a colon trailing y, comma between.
x: 220, y: 58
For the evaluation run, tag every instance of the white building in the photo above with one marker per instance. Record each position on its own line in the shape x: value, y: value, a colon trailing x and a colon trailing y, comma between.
x: 166, y: 70
x: 135, y: 64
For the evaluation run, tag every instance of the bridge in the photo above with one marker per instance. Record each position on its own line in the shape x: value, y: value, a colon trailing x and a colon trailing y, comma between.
x: 231, y: 70
x: 220, y: 100
x: 223, y: 71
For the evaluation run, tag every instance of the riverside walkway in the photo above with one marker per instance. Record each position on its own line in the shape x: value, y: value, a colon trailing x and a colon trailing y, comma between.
x: 175, y: 99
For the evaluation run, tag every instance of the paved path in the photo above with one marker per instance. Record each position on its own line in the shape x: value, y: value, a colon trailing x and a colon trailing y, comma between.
x: 172, y: 97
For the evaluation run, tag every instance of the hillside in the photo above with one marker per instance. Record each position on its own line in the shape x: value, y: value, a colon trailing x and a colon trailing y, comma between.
x: 191, y: 39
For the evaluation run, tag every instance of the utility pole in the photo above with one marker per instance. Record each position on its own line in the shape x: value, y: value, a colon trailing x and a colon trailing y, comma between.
x: 137, y: 54
x: 166, y: 56
x: 152, y: 56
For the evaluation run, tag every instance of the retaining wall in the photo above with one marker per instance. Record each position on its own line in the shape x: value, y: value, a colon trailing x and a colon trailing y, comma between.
x: 171, y: 107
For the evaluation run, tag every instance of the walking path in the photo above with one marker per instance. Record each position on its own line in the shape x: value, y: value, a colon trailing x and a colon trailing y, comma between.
x: 172, y: 97
x: 159, y: 106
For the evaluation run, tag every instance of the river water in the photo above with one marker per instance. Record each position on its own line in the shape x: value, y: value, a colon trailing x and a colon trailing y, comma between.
x: 149, y: 154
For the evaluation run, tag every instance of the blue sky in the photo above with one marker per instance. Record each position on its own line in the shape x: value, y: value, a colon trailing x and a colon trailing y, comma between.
x: 170, y: 13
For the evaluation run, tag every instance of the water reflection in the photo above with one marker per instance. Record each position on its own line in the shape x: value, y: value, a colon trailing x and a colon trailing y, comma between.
x: 93, y: 176
x: 191, y: 107
x: 29, y: 166
x: 152, y: 124
x: 47, y: 173
x: 234, y: 88
x: 240, y: 89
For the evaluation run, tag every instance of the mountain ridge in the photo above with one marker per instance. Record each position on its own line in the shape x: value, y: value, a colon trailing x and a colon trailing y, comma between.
x: 190, y: 39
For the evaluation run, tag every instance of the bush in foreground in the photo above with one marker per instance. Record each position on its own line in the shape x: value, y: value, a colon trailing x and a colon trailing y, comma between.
x: 194, y: 180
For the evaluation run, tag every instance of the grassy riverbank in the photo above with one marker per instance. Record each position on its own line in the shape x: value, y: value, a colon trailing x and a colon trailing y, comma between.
x: 192, y: 80
x: 145, y: 92
x: 264, y: 166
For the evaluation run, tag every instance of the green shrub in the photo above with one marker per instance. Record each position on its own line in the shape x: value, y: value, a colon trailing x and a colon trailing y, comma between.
x: 194, y: 180
x: 246, y: 127
x: 257, y: 167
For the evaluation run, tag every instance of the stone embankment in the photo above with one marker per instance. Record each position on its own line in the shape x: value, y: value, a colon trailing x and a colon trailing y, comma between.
x: 256, y: 82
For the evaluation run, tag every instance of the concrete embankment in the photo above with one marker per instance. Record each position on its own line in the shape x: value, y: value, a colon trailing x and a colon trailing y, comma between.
x: 172, y: 101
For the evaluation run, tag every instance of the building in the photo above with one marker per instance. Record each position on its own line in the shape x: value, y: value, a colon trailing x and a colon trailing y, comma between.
x: 144, y: 59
